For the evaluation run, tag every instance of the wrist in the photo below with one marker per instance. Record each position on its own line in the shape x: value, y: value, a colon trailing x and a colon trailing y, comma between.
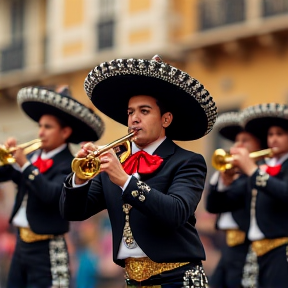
x: 251, y: 170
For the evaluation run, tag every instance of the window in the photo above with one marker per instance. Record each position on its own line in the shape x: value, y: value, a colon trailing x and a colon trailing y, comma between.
x: 274, y: 7
x: 106, y: 24
x: 12, y: 56
x: 220, y: 12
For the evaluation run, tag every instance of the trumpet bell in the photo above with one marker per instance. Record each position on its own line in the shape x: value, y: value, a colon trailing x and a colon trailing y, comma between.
x: 89, y: 167
x: 6, y: 156
x: 86, y: 168
x: 221, y: 160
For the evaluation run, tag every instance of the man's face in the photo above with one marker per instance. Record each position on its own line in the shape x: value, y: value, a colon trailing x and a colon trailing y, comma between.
x: 51, y: 133
x: 248, y: 141
x: 277, y: 137
x: 144, y: 114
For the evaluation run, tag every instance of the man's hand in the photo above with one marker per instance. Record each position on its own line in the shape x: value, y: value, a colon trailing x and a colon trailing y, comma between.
x: 229, y: 176
x: 18, y: 153
x: 242, y: 160
x: 112, y: 166
x: 109, y: 163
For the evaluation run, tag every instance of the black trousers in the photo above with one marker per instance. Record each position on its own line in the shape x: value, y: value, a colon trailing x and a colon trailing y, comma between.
x: 273, y: 268
x: 39, y: 264
x: 229, y: 270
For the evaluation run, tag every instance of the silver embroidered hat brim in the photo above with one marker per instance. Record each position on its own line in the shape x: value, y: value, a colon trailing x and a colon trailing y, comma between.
x: 111, y: 84
x: 229, y: 125
x: 258, y: 118
x: 38, y: 101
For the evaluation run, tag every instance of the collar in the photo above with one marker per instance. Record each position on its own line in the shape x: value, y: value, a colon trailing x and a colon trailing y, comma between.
x: 150, y: 149
x: 275, y: 161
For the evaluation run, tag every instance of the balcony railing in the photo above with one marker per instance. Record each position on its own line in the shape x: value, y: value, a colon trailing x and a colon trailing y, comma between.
x: 220, y: 12
x: 12, y: 57
x: 274, y: 7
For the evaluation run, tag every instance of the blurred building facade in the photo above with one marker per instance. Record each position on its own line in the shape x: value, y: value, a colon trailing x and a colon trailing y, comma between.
x: 237, y: 48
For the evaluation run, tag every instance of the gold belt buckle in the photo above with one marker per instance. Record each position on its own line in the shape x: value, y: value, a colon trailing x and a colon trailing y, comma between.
x: 263, y: 246
x: 28, y: 236
x: 235, y: 237
x: 143, y: 268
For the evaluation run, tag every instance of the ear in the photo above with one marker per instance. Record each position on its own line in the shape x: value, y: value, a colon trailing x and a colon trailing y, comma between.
x: 166, y: 119
x: 66, y: 132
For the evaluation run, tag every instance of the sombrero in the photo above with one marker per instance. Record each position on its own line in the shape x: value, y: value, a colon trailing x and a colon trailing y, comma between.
x: 229, y: 125
x: 38, y: 101
x: 259, y: 118
x: 111, y: 84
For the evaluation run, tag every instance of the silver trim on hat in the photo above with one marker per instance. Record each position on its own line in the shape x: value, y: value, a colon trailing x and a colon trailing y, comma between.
x: 274, y: 110
x: 66, y: 104
x: 227, y: 119
x: 158, y: 69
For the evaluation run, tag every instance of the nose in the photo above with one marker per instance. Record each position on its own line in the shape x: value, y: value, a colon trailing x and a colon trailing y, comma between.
x: 41, y: 132
x: 135, y: 118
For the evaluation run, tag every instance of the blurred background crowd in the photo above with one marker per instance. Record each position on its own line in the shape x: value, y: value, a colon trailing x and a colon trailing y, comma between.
x: 237, y: 48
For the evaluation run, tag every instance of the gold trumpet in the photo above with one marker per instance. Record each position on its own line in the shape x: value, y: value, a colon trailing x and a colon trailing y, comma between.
x: 88, y: 167
x: 222, y: 160
x: 6, y: 156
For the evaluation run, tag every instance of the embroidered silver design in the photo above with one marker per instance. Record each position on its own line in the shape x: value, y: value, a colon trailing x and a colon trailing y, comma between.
x: 128, y: 238
x: 227, y: 119
x: 250, y: 270
x: 63, y: 103
x: 158, y: 69
x: 141, y: 198
x: 143, y: 186
x: 195, y: 278
x: 264, y: 110
x: 135, y: 193
x: 262, y: 178
x: 59, y: 262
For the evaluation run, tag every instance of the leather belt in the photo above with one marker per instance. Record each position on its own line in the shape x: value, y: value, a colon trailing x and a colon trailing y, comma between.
x: 28, y: 236
x: 143, y: 268
x: 235, y: 237
x: 263, y: 246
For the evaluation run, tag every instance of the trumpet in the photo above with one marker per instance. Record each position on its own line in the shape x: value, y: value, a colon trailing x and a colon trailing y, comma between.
x: 88, y: 167
x: 222, y: 160
x: 6, y: 156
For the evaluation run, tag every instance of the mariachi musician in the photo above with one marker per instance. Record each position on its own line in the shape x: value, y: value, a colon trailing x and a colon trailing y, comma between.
x: 152, y: 198
x: 40, y: 258
x: 266, y: 191
x: 237, y: 266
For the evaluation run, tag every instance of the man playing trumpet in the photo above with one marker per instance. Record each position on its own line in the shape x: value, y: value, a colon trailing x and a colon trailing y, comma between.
x: 152, y: 198
x: 233, y: 216
x: 266, y: 192
x: 40, y: 258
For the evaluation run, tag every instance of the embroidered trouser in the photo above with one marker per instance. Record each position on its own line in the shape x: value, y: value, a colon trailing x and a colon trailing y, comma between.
x: 39, y: 264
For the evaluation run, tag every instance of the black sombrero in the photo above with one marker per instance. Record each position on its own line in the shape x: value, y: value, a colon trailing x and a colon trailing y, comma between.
x: 111, y: 84
x: 259, y: 118
x: 38, y: 101
x: 229, y: 125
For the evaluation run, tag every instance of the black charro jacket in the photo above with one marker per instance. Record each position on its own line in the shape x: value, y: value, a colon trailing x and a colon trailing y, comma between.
x: 218, y: 202
x: 163, y: 224
x: 43, y: 193
x: 271, y: 200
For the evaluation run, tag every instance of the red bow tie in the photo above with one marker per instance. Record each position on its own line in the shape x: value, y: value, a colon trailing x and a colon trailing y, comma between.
x: 43, y: 165
x: 142, y: 162
x: 272, y: 170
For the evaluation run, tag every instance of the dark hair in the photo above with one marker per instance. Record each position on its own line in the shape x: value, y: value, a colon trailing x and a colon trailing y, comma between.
x: 163, y: 108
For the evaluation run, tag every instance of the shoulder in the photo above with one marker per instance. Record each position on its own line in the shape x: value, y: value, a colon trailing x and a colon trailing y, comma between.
x: 189, y: 158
